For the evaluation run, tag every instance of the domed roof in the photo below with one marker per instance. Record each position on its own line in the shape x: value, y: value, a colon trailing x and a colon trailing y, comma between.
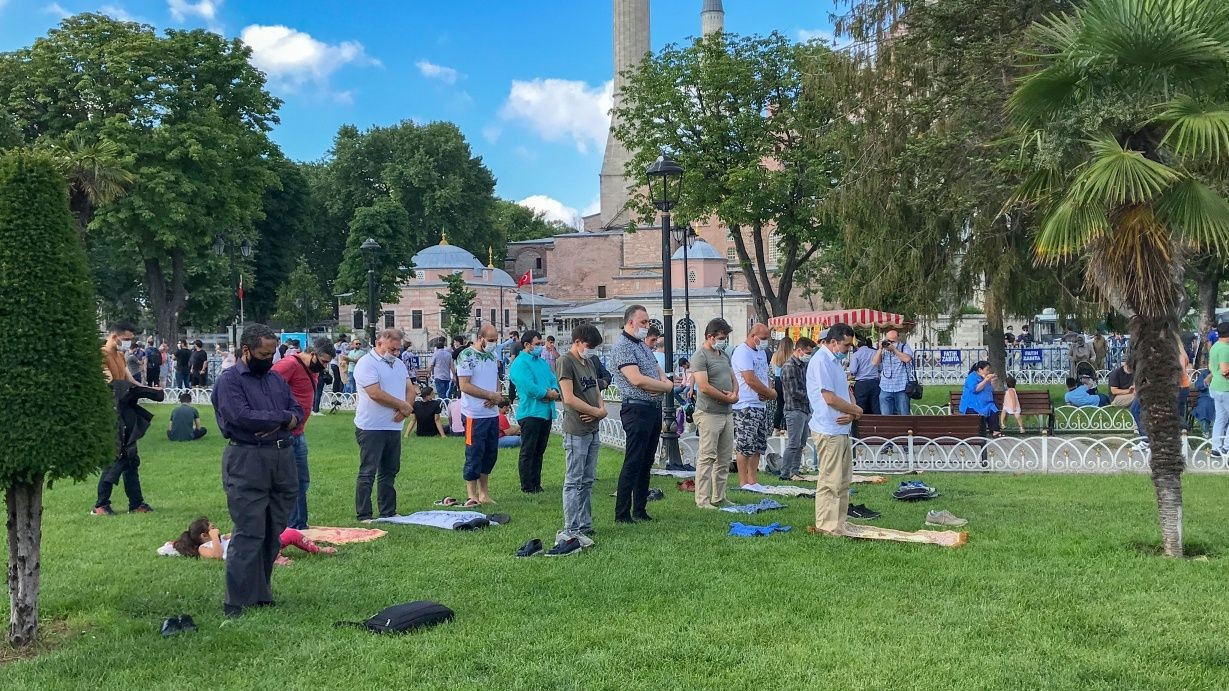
x: 445, y: 256
x: 698, y: 250
x: 502, y: 278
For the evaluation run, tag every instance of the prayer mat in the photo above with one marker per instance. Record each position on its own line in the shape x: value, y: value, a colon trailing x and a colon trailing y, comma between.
x: 673, y: 473
x: 341, y: 536
x: 872, y: 479
x: 448, y: 520
x: 942, y: 538
x: 779, y: 490
x: 745, y: 530
x: 764, y: 505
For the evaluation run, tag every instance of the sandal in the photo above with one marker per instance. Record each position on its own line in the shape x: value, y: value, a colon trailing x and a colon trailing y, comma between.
x: 471, y: 503
x: 446, y: 501
x: 797, y: 478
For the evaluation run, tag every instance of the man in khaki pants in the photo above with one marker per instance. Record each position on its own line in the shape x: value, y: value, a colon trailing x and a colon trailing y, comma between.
x: 715, y: 392
x: 832, y: 411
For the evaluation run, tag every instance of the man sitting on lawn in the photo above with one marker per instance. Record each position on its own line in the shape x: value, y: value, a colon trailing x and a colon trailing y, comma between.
x: 1082, y: 395
x: 185, y: 421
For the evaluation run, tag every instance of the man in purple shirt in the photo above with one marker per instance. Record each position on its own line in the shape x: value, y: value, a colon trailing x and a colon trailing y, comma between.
x: 256, y: 412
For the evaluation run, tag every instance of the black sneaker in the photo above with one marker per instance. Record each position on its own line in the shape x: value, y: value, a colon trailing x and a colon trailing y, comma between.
x: 868, y: 512
x: 170, y: 626
x: 530, y: 548
x: 564, y: 548
x: 104, y: 510
x: 186, y: 623
x: 642, y: 517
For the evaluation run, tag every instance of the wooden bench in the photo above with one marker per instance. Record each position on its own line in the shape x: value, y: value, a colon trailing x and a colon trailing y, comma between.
x: 1031, y: 403
x: 424, y: 375
x: 956, y: 427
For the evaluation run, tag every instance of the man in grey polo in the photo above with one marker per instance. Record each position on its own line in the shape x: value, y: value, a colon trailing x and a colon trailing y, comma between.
x: 641, y: 384
x: 386, y: 394
x: 715, y: 392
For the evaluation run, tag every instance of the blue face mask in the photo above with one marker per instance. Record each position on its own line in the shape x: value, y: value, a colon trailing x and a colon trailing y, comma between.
x: 841, y: 356
x: 537, y: 350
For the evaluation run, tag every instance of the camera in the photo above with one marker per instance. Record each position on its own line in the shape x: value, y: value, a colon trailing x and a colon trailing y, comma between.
x: 885, y: 344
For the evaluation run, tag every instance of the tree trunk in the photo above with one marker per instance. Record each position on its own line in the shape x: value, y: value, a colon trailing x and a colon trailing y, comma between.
x: 1157, y: 370
x: 1208, y: 284
x: 754, y: 285
x: 167, y: 302
x: 25, y: 509
x: 996, y: 348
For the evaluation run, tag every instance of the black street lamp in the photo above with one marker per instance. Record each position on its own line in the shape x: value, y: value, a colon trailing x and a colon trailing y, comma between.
x: 371, y: 254
x: 245, y: 249
x: 685, y: 236
x: 721, y: 294
x: 665, y: 182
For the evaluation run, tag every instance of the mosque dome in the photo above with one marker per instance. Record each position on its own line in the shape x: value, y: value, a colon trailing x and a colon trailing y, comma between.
x: 698, y: 250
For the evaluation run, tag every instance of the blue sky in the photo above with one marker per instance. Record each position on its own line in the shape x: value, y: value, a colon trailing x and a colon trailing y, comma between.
x: 525, y: 80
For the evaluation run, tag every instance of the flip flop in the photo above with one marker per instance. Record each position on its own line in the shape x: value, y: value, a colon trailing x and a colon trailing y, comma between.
x: 471, y: 503
x: 446, y: 501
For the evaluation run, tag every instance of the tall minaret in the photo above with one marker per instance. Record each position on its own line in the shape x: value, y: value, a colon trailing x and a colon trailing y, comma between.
x: 631, y: 42
x: 712, y: 17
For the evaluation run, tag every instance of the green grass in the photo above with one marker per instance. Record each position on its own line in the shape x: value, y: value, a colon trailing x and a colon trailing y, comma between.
x: 1056, y: 588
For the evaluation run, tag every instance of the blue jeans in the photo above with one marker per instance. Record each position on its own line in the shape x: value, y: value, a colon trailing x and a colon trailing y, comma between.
x: 182, y: 381
x: 579, y: 472
x: 441, y: 388
x: 511, y: 442
x: 298, y: 515
x: 1220, y: 427
x: 349, y: 388
x: 893, y: 403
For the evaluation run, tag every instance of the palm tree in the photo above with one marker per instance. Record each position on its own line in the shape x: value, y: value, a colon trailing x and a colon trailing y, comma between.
x: 1125, y: 131
x: 96, y: 174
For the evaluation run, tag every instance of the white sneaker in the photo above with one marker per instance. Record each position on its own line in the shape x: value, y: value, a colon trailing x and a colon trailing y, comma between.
x: 1141, y: 446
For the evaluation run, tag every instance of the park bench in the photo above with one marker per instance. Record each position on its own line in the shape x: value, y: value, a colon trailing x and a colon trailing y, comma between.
x: 1031, y: 403
x: 954, y: 427
x: 423, y: 375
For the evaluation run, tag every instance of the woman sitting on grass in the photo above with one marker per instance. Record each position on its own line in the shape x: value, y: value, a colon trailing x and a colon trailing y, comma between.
x: 426, y: 421
x: 202, y: 540
x: 978, y: 397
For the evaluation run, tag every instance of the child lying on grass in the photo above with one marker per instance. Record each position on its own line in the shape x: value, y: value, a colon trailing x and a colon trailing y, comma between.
x: 203, y: 540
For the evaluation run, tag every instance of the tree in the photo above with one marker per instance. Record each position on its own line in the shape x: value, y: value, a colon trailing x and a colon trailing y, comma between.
x: 511, y: 222
x: 96, y: 172
x: 756, y: 149
x: 300, y: 301
x: 1127, y: 136
x: 428, y: 169
x: 190, y: 113
x: 387, y: 223
x: 44, y: 289
x: 458, y: 301
x: 282, y: 238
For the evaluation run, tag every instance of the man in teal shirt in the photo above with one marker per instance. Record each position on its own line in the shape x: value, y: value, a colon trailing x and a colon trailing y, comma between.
x: 537, y: 390
x: 1218, y: 388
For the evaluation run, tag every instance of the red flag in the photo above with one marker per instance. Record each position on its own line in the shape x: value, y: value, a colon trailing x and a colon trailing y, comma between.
x: 525, y: 279
x: 240, y: 286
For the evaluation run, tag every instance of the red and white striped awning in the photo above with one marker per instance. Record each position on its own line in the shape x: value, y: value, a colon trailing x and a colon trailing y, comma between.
x: 856, y: 317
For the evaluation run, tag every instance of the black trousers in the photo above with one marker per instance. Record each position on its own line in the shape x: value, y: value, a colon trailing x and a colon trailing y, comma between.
x: 866, y: 395
x: 778, y: 413
x: 379, y: 461
x: 642, y: 428
x: 535, y: 433
x: 127, y: 466
x: 261, y: 484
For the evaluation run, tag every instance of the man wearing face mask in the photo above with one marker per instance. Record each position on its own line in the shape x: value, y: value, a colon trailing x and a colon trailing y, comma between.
x: 478, y: 379
x: 715, y: 392
x: 302, y: 374
x: 833, y: 411
x: 132, y: 422
x: 386, y: 394
x: 751, y: 421
x: 257, y: 414
x: 531, y: 374
x: 797, y: 408
x: 641, y: 383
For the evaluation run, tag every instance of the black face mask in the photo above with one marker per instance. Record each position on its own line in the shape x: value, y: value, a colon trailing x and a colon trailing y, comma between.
x: 258, y: 366
x: 316, y: 367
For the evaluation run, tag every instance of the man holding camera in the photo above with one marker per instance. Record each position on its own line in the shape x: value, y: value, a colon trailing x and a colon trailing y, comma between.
x: 895, y: 360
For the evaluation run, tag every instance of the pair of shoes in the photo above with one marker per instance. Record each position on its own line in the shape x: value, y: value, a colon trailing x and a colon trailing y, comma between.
x: 585, y: 541
x: 655, y: 494
x: 142, y: 508
x: 860, y: 511
x: 1142, y: 446
x: 104, y: 510
x: 944, y: 518
x: 564, y: 547
x: 642, y: 517
x: 179, y: 624
x: 530, y: 548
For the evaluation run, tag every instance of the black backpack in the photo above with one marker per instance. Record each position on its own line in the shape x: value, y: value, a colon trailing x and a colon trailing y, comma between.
x: 404, y: 617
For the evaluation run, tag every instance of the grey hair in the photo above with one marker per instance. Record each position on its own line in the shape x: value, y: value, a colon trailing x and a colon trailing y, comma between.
x: 391, y: 334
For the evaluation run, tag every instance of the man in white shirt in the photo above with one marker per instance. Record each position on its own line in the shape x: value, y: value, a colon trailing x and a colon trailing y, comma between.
x: 386, y: 394
x: 750, y: 364
x: 478, y: 379
x: 832, y: 412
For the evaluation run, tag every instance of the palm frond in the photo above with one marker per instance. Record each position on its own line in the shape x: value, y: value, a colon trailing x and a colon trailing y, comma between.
x: 1156, y: 34
x: 1039, y: 185
x: 1117, y: 176
x: 1141, y: 260
x: 1043, y: 93
x: 1198, y: 214
x: 1068, y: 229
x: 1196, y: 131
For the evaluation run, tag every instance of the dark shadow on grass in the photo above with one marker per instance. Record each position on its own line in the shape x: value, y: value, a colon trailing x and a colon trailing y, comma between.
x: 52, y: 634
x: 1191, y: 550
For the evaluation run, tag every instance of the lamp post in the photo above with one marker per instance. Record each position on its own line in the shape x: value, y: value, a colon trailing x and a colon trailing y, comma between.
x: 245, y: 248
x: 371, y: 254
x: 665, y: 182
x: 684, y: 237
x: 721, y: 295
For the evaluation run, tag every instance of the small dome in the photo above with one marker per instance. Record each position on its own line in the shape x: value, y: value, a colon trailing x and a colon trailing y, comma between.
x: 445, y: 256
x: 502, y: 278
x: 698, y: 250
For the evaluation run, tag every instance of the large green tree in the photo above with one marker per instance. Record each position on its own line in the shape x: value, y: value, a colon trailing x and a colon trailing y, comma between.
x: 44, y: 291
x: 386, y: 222
x: 756, y: 147
x: 189, y: 116
x: 283, y: 235
x: 1127, y: 137
x: 301, y: 303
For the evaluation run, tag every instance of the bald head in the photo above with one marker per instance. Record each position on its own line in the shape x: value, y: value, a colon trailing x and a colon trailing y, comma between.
x: 488, y: 336
x: 757, y: 335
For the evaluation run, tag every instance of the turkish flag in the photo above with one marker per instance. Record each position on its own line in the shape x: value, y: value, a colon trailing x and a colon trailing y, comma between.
x: 525, y: 279
x: 240, y: 292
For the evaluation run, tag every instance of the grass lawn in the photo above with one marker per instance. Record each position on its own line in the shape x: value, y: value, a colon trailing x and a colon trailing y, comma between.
x: 1056, y: 588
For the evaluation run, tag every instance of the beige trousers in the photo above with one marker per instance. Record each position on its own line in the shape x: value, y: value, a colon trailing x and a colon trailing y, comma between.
x: 716, y: 450
x: 835, y: 473
x: 1123, y: 400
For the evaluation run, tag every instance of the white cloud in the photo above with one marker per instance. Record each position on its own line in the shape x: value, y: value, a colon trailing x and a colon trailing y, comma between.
x: 54, y: 8
x: 431, y: 70
x: 562, y: 110
x: 491, y: 133
x: 292, y: 58
x: 117, y: 12
x: 812, y: 34
x: 552, y: 209
x: 207, y: 10
x: 593, y: 207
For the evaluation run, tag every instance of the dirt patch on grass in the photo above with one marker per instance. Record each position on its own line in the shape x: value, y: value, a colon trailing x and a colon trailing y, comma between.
x: 1192, y: 550
x: 51, y: 635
